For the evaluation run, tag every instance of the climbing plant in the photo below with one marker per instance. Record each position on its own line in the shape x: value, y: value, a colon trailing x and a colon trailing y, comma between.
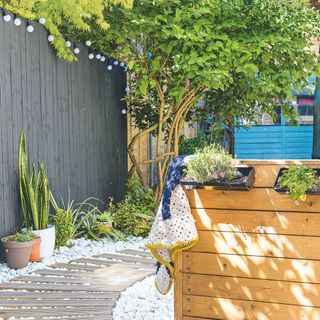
x: 65, y: 17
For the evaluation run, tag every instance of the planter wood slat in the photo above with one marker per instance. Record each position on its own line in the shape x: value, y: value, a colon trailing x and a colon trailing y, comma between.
x: 283, y: 292
x: 265, y: 199
x: 258, y: 253
x: 253, y: 267
x: 253, y: 221
x: 263, y: 245
x: 231, y: 309
x: 178, y: 289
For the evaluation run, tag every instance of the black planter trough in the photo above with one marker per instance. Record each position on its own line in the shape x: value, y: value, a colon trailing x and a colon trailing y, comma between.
x: 285, y: 190
x: 245, y: 183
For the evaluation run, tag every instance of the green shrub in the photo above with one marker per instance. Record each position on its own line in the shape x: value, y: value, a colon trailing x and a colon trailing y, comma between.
x: 190, y: 145
x: 209, y: 164
x: 135, y: 214
x: 299, y: 179
x: 81, y: 220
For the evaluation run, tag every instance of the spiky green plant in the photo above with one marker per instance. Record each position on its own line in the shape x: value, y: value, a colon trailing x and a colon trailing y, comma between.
x: 34, y: 190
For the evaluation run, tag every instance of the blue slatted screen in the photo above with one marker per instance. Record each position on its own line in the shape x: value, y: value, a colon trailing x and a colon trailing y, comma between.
x: 274, y: 142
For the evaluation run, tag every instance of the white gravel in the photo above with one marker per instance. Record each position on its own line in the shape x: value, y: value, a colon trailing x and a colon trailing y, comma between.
x: 77, y: 248
x: 143, y: 302
x: 139, y: 302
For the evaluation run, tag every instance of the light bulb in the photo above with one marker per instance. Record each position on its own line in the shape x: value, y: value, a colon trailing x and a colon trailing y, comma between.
x: 125, y: 69
x: 17, y: 22
x: 68, y: 44
x: 103, y: 59
x: 42, y: 20
x: 109, y: 67
x: 50, y: 37
x: 30, y: 28
x: 76, y: 50
x: 88, y: 43
x: 115, y: 62
x: 98, y: 56
x: 7, y: 17
x: 121, y: 64
x: 90, y: 56
x: 123, y: 111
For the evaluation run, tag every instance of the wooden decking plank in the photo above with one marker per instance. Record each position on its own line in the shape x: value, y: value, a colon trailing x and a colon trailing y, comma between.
x: 14, y: 303
x: 63, y: 273
x: 91, y: 290
x: 140, y: 253
x: 123, y: 279
x: 56, y: 287
x: 56, y: 312
x: 100, y: 262
x: 74, y: 266
x: 100, y: 274
x: 126, y: 258
x: 26, y: 295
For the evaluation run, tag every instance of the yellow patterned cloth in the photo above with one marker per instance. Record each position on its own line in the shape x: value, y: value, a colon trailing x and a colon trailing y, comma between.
x: 169, y: 236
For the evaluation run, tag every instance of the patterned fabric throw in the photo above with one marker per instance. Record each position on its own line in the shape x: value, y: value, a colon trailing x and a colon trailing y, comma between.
x: 174, y: 229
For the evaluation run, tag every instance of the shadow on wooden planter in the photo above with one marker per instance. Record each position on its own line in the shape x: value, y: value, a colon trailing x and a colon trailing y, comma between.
x: 258, y: 253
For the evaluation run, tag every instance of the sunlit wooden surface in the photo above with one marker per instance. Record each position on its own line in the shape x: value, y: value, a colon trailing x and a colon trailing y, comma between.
x: 258, y: 257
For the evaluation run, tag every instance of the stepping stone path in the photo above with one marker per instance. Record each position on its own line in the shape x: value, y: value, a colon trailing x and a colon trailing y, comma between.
x: 84, y: 288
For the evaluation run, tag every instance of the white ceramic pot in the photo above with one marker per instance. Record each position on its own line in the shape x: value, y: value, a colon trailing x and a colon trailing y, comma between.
x: 48, y: 239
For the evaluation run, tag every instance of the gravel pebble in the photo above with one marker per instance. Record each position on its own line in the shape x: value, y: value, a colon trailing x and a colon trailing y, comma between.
x: 139, y: 302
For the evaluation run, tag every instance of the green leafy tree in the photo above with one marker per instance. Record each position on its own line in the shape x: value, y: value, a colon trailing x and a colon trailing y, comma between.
x: 249, y: 52
x: 238, y: 53
x: 65, y: 17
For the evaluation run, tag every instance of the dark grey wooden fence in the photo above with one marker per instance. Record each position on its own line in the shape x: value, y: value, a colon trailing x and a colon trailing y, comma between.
x: 71, y: 113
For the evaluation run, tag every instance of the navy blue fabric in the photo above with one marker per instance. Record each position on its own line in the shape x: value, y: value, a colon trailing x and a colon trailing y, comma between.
x: 175, y: 173
x: 158, y: 265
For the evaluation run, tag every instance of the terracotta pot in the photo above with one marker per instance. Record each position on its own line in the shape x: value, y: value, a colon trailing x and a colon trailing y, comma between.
x: 17, y: 254
x: 48, y: 240
x: 35, y: 252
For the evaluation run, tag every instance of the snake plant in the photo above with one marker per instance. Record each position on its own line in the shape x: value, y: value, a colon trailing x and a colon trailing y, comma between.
x: 34, y: 190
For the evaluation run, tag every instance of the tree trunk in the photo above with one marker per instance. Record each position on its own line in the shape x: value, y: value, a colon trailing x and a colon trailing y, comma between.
x: 316, y: 122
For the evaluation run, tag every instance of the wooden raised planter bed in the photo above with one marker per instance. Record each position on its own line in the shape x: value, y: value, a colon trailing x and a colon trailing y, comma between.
x: 258, y: 256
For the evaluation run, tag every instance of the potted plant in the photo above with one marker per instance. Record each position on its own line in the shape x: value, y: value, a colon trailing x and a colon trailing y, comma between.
x: 35, y: 252
x: 17, y: 249
x: 35, y: 200
x: 213, y: 166
x: 298, y: 181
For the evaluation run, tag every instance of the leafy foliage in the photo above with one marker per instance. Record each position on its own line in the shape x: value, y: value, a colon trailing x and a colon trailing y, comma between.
x: 240, y: 54
x: 235, y: 49
x: 135, y: 214
x: 34, y: 190
x: 76, y: 220
x: 190, y: 145
x: 209, y: 164
x: 21, y: 237
x: 65, y: 17
x: 298, y: 180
